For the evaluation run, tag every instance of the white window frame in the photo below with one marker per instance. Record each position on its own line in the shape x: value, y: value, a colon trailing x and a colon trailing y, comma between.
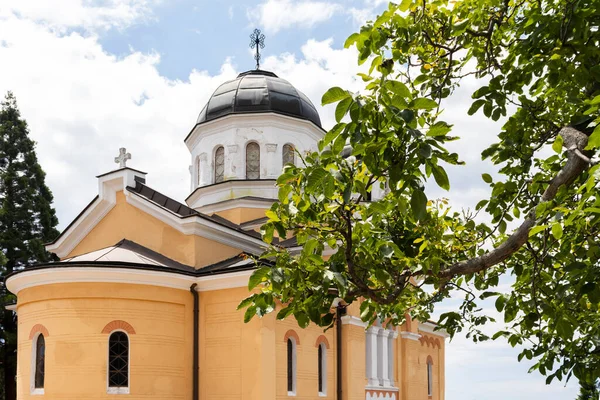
x: 294, y: 370
x: 118, y: 390
x: 33, y: 390
x: 323, y: 392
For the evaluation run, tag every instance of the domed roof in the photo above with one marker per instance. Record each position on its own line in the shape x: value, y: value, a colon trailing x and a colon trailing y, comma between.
x: 258, y: 91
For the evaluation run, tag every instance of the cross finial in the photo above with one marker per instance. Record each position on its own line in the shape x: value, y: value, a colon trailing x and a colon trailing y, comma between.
x: 123, y: 157
x: 257, y: 40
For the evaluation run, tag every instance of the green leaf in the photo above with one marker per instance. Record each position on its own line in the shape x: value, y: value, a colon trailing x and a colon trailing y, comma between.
x: 284, y: 312
x: 258, y: 276
x: 477, y: 104
x: 302, y: 318
x: 351, y: 40
x: 537, y: 229
x: 250, y: 312
x: 334, y: 94
x: 594, y: 139
x: 315, y: 179
x: 399, y: 89
x: 418, y: 203
x: 441, y: 178
x: 439, y: 129
x: 565, y: 329
x: 558, y: 144
x: 342, y: 108
x: 557, y: 230
x: 423, y: 103
x: 272, y: 215
x: 404, y: 6
x: 487, y: 178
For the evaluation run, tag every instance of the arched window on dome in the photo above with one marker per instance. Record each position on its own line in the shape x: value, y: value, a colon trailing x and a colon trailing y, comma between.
x: 39, y: 357
x: 253, y: 161
x: 288, y: 155
x: 219, y: 164
x: 118, y: 362
x: 198, y: 176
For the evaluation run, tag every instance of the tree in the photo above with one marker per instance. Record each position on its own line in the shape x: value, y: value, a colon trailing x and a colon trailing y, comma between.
x: 588, y: 391
x: 27, y: 221
x: 538, y: 66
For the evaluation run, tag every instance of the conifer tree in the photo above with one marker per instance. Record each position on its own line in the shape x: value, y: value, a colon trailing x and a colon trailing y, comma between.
x: 27, y: 221
x: 588, y: 391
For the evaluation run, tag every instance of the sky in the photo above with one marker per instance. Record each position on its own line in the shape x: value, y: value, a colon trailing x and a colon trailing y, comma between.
x: 91, y: 76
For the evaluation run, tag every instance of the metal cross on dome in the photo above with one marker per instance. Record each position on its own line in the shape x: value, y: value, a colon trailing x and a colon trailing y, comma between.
x: 257, y: 40
x: 123, y: 157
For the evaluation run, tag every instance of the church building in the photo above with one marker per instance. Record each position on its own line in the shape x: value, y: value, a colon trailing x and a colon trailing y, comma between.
x: 142, y: 304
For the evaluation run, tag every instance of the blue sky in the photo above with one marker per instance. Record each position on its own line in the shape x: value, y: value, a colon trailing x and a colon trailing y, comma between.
x: 93, y: 76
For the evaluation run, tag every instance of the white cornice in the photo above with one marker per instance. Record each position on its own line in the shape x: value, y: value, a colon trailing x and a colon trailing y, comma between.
x: 429, y: 327
x: 54, y: 275
x: 207, y: 196
x: 264, y: 204
x: 352, y: 320
x: 256, y: 120
x: 410, y: 335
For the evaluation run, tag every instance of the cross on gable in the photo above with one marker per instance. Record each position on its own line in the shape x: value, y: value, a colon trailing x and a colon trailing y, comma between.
x: 123, y: 157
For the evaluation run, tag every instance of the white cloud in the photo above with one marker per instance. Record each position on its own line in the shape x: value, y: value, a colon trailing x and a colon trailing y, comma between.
x: 90, y: 15
x: 274, y: 15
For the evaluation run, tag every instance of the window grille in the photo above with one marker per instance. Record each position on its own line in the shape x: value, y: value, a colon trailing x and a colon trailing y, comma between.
x: 40, y: 361
x: 118, y: 360
x: 252, y: 161
x: 288, y: 154
x: 219, y: 164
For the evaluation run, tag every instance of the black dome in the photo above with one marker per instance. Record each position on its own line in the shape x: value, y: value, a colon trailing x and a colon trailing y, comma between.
x: 258, y: 91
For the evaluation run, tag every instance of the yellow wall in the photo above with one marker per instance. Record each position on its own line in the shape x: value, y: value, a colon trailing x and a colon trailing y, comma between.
x: 240, y: 215
x: 76, y: 350
x: 125, y: 221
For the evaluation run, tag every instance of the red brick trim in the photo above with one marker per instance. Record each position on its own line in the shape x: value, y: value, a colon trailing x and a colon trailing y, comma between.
x: 430, y: 341
x: 322, y: 339
x: 118, y: 325
x: 38, y: 328
x: 292, y: 334
x: 429, y: 360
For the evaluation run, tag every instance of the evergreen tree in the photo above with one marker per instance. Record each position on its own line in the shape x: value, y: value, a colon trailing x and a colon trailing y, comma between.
x: 27, y: 221
x: 589, y: 391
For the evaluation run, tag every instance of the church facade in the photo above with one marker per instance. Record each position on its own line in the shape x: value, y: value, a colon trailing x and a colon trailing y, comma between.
x: 142, y: 303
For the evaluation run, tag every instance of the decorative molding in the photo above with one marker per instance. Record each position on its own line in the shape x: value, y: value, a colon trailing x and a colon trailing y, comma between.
x: 206, y: 196
x: 271, y: 147
x: 378, y: 393
x: 232, y: 148
x: 38, y: 328
x: 352, y: 320
x: 33, y: 278
x: 410, y: 335
x: 236, y: 203
x: 118, y: 325
x: 322, y: 339
x: 203, y: 157
x: 291, y: 334
x: 430, y: 341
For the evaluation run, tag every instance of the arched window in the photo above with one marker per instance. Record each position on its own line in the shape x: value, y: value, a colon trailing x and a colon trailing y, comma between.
x: 219, y: 164
x: 288, y: 155
x: 429, y: 376
x: 198, y: 171
x: 40, y: 362
x: 322, y: 369
x: 118, y: 362
x: 291, y: 366
x: 253, y: 161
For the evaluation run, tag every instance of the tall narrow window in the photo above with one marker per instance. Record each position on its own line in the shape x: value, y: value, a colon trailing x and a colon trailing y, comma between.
x: 252, y: 161
x: 291, y: 367
x: 198, y: 171
x: 118, y: 362
x: 40, y: 362
x: 219, y: 164
x: 322, y: 369
x: 429, y: 377
x: 288, y: 154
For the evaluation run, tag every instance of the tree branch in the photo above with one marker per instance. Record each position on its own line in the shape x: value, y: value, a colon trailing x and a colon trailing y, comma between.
x: 575, y: 165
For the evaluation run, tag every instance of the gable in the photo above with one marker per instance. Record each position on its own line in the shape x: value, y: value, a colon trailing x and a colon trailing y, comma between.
x: 125, y: 221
